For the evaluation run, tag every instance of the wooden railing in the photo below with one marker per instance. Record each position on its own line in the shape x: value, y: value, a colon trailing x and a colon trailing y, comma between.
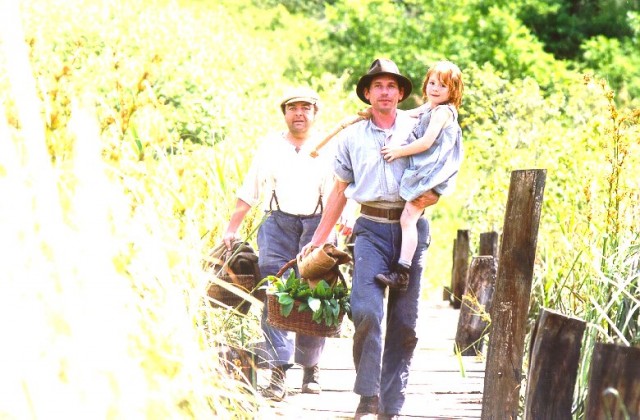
x: 493, y: 293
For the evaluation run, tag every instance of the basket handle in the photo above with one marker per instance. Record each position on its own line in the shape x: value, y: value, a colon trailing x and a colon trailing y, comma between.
x: 340, y: 275
x: 285, y: 267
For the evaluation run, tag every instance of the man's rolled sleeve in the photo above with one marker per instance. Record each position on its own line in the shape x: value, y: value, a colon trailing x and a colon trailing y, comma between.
x: 249, y: 192
x: 342, y: 167
x: 343, y: 173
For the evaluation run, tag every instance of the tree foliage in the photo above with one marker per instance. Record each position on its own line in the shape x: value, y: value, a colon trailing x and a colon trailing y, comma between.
x: 564, y: 26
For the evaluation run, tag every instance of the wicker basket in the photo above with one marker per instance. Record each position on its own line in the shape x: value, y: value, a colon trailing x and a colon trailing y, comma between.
x: 244, y: 282
x: 299, y: 322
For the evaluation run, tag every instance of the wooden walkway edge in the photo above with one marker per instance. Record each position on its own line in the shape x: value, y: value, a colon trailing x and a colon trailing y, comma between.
x: 441, y: 384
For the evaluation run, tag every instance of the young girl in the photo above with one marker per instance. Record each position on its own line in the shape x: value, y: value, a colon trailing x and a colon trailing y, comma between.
x: 435, y: 150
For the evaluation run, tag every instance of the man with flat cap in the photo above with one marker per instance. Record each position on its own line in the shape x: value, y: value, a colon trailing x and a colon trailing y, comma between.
x: 362, y: 174
x: 292, y: 187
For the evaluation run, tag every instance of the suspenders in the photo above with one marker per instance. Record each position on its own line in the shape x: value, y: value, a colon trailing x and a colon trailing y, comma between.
x: 274, y: 198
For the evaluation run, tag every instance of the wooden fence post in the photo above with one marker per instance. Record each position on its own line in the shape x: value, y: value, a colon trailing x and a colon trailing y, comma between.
x: 460, y: 267
x: 489, y: 244
x: 555, y: 354
x: 473, y: 321
x: 447, y: 291
x: 446, y: 294
x: 510, y: 305
x: 614, y: 383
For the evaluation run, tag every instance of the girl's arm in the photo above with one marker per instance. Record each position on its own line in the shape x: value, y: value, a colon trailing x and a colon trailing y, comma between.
x: 417, y: 111
x: 439, y: 119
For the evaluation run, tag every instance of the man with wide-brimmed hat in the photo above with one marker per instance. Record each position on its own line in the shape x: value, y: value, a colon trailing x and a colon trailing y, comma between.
x: 364, y: 176
x: 291, y: 186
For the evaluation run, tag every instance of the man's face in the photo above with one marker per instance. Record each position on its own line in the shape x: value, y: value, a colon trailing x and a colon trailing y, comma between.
x: 299, y: 116
x: 384, y: 93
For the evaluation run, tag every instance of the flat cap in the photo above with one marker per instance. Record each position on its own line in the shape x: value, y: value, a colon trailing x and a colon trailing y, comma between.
x: 300, y: 94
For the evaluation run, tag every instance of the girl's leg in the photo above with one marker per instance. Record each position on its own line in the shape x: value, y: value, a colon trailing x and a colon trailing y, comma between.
x: 408, y: 223
x: 399, y: 278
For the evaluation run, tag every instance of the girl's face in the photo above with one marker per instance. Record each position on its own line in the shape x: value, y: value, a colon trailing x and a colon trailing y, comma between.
x: 437, y: 92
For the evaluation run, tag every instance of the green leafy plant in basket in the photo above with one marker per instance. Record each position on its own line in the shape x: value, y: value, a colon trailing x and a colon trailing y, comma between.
x: 324, y: 301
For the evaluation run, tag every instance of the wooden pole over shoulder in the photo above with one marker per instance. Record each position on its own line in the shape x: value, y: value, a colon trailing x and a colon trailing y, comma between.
x: 338, y: 128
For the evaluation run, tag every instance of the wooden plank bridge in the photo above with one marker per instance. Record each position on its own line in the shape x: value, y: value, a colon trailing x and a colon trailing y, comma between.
x: 445, y: 386
x: 441, y: 384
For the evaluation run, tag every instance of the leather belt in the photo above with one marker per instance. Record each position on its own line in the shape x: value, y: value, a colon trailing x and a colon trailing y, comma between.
x: 389, y: 214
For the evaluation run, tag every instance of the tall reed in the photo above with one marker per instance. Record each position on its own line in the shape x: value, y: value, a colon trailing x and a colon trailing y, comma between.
x: 101, y: 298
x: 606, y: 267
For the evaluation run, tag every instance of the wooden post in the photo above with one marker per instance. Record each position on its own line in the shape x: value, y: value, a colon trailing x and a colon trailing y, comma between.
x: 510, y: 305
x: 554, y: 356
x: 473, y: 321
x: 447, y: 293
x: 614, y: 383
x: 460, y: 267
x: 489, y: 244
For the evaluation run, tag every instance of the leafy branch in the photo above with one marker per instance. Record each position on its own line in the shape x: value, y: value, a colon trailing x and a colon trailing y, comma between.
x: 325, y: 301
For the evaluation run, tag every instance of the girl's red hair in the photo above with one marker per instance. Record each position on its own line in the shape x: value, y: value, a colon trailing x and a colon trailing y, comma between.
x: 451, y: 76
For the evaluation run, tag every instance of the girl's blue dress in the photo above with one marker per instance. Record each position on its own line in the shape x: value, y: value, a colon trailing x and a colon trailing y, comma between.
x: 437, y: 167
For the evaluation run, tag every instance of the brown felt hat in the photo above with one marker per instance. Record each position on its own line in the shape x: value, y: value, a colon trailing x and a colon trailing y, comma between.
x: 379, y: 67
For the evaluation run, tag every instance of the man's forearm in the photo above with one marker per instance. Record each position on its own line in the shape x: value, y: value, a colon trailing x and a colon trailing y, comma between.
x: 335, y: 205
x: 242, y: 208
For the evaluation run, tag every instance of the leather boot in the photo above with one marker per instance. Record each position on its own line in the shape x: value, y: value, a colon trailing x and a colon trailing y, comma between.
x: 367, y: 408
x: 396, y: 280
x: 310, y: 384
x: 277, y: 389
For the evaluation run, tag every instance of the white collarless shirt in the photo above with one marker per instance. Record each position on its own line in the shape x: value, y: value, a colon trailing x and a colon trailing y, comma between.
x: 297, y: 178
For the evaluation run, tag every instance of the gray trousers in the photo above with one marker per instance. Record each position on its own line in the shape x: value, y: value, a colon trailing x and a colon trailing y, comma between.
x: 280, y: 239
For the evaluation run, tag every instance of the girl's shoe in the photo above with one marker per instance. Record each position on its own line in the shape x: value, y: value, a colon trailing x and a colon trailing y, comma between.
x: 396, y: 280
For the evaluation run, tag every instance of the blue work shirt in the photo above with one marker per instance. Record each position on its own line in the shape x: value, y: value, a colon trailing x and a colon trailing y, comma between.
x: 359, y: 161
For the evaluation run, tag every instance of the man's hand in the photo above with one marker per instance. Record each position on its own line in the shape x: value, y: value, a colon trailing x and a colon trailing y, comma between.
x: 305, y: 250
x: 427, y: 199
x: 229, y: 238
